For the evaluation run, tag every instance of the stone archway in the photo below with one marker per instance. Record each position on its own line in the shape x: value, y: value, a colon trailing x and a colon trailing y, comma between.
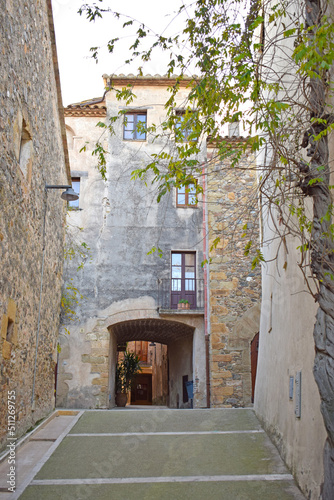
x: 86, y: 376
x: 177, y: 336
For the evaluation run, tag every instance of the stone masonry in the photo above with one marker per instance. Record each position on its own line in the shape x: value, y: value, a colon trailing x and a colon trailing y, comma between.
x: 235, y: 288
x: 31, y: 155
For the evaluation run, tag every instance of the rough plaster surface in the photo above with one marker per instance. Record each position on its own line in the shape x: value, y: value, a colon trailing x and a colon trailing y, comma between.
x: 287, y: 347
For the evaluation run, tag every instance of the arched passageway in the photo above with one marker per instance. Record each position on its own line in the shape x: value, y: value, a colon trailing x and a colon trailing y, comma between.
x: 151, y: 329
x: 86, y: 377
x: 177, y: 336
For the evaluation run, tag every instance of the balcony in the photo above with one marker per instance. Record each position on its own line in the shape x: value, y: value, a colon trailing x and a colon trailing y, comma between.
x: 189, y: 291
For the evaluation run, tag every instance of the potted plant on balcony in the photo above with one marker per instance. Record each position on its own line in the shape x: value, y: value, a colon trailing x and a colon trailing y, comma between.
x: 126, y: 370
x: 183, y: 304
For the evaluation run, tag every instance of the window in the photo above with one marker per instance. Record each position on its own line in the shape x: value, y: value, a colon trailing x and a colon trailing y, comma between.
x: 183, y: 279
x: 233, y: 129
x: 181, y: 132
x: 141, y: 350
x: 25, y: 150
x: 74, y: 205
x: 186, y: 126
x: 186, y: 196
x: 135, y: 126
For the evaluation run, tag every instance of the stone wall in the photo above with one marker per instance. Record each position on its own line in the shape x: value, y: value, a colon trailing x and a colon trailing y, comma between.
x: 234, y: 288
x: 31, y: 155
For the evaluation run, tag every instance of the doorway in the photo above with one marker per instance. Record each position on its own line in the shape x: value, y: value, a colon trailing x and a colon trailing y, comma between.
x: 254, y: 356
x: 183, y: 280
x: 141, y: 392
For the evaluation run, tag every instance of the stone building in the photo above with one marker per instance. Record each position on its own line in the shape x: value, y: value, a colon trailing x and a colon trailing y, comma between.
x: 127, y: 292
x: 33, y: 154
x: 133, y: 296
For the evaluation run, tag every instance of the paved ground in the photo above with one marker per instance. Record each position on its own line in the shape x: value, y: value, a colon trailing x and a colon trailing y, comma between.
x: 152, y: 454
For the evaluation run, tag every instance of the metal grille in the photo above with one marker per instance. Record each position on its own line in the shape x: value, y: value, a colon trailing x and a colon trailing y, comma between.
x: 168, y: 292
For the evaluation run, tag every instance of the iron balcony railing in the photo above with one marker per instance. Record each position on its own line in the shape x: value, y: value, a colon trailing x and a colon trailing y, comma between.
x: 181, y: 294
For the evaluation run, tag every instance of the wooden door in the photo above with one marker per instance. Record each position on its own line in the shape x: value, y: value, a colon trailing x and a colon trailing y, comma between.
x: 141, y: 392
x: 254, y: 355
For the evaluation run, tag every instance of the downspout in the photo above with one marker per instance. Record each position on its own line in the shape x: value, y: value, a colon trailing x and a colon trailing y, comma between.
x: 207, y: 324
x: 40, y: 304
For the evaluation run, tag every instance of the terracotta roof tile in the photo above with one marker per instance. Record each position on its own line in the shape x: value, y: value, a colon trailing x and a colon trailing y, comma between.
x: 150, y: 80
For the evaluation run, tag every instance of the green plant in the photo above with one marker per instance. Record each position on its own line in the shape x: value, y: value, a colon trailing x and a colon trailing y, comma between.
x: 78, y: 251
x: 183, y: 301
x: 126, y: 370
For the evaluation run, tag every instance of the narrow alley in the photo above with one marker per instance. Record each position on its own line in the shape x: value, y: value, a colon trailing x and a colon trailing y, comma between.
x: 164, y: 454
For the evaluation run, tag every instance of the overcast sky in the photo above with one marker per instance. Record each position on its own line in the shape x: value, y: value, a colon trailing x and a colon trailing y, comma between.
x: 81, y: 77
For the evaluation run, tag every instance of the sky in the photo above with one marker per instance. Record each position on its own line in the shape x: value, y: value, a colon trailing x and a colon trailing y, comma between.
x: 80, y: 76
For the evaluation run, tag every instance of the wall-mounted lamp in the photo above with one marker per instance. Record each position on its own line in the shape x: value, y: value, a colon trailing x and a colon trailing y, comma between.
x: 152, y: 344
x: 67, y: 195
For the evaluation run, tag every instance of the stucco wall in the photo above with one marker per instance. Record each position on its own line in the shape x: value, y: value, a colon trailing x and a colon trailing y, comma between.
x: 180, y: 364
x: 32, y: 155
x: 120, y: 218
x: 287, y: 347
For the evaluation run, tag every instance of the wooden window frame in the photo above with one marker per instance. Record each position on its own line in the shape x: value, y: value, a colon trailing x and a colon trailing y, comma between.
x: 135, y: 114
x: 183, y: 285
x: 186, y: 204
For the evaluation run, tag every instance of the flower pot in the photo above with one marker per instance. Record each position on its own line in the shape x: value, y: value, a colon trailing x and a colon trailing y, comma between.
x: 182, y: 305
x: 121, y: 399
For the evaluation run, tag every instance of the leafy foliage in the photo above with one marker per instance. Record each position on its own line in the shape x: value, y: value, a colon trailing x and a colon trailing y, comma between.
x: 76, y: 250
x: 126, y: 370
x: 70, y: 297
x: 232, y: 48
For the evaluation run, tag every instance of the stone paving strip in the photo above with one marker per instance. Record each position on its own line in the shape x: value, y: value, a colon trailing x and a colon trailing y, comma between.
x: 34, y: 449
x: 253, y: 490
x: 165, y: 455
x: 190, y: 433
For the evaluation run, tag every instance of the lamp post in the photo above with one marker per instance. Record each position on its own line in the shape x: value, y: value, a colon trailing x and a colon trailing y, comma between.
x: 67, y: 195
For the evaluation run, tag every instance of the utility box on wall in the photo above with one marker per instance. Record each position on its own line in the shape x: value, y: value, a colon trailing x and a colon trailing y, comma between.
x: 298, y: 400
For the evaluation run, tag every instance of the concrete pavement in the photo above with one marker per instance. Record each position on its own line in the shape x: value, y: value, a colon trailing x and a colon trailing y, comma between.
x: 154, y: 454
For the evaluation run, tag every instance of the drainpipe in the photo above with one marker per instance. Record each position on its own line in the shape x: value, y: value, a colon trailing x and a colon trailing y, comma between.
x: 68, y: 195
x: 207, y: 325
x: 40, y: 303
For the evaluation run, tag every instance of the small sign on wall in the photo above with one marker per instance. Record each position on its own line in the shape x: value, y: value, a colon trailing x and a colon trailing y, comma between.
x: 291, y: 384
x: 298, y: 401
